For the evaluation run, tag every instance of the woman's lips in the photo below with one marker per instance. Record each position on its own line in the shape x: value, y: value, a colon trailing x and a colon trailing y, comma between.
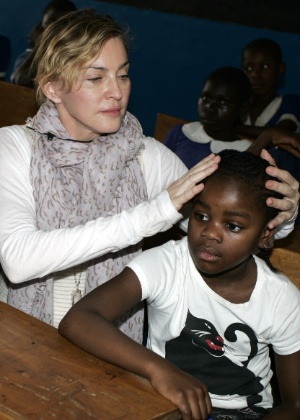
x: 113, y: 112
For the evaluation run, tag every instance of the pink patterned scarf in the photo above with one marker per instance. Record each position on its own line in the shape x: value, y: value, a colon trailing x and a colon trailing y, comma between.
x: 73, y: 183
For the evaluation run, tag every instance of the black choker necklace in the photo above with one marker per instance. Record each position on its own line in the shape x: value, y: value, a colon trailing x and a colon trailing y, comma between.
x: 50, y: 136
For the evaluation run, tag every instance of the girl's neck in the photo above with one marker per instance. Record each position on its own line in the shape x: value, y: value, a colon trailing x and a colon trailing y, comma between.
x: 258, y: 104
x: 262, y: 101
x: 223, y: 135
x: 235, y: 285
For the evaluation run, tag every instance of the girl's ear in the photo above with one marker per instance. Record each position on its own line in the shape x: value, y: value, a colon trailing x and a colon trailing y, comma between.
x: 282, y: 68
x: 267, y: 238
x: 51, y: 91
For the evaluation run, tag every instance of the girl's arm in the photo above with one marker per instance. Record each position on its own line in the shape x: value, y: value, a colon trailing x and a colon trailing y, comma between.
x: 274, y: 137
x: 89, y: 325
x: 288, y: 376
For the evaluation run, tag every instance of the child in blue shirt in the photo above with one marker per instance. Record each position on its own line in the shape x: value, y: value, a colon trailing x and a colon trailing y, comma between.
x: 263, y: 65
x: 222, y: 104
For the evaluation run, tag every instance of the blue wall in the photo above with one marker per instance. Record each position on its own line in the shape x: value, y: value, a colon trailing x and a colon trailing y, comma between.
x: 171, y: 56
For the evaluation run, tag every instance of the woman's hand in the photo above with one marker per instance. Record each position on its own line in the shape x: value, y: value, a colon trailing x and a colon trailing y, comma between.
x: 288, y: 187
x: 188, y: 394
x: 186, y: 187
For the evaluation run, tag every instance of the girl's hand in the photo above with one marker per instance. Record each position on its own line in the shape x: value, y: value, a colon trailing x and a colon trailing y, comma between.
x: 275, y: 137
x: 186, y: 187
x: 188, y: 394
x: 288, y: 187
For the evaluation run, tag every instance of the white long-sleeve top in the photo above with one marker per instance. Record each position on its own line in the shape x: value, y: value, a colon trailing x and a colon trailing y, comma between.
x: 27, y: 253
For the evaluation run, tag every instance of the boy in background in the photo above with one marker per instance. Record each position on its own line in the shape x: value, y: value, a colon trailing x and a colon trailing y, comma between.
x: 263, y: 65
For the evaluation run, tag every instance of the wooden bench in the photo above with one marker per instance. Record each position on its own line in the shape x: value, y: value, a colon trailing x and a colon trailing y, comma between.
x: 163, y: 125
x: 17, y: 103
x: 286, y: 256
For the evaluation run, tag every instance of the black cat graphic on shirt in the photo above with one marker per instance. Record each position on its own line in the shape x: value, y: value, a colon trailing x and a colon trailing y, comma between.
x: 200, y: 351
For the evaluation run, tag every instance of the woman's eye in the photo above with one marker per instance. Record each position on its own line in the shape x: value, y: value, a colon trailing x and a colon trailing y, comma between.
x: 265, y: 66
x: 234, y: 228
x: 95, y: 79
x: 124, y: 77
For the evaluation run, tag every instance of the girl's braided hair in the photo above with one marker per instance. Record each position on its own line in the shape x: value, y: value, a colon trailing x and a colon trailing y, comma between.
x: 248, y: 172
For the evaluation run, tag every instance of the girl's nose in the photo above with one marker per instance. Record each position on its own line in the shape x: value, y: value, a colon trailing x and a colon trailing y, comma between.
x: 255, y: 71
x: 211, y: 104
x: 212, y: 232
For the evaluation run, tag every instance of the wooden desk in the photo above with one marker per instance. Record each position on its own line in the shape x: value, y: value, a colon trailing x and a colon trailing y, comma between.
x: 43, y: 376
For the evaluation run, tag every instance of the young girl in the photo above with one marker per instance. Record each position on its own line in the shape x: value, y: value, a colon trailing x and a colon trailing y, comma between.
x: 214, y: 307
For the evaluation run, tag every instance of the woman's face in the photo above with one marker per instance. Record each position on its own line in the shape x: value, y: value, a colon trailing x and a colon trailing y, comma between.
x: 97, y: 103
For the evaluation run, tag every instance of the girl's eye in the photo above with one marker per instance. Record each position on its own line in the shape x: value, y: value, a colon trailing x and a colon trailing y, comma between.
x: 248, y: 69
x: 201, y: 217
x: 265, y: 66
x: 233, y: 227
x: 224, y: 102
x: 205, y: 99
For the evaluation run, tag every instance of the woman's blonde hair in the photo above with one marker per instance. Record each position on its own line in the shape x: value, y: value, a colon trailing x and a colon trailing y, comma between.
x: 69, y: 43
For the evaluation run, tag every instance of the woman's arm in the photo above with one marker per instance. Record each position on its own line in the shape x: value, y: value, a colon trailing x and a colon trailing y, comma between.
x: 27, y: 252
x: 89, y: 325
x: 288, y: 375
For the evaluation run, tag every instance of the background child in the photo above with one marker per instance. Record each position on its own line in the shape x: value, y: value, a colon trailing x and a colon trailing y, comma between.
x: 53, y: 11
x: 262, y: 63
x: 222, y: 103
x: 214, y: 307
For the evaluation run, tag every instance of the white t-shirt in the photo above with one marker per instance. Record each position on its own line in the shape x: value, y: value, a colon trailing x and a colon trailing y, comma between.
x: 226, y: 342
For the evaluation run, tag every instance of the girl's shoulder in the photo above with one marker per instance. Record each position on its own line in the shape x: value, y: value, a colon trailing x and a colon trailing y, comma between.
x: 276, y: 282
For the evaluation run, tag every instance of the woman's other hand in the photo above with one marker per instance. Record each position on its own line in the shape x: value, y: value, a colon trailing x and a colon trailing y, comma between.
x: 288, y: 186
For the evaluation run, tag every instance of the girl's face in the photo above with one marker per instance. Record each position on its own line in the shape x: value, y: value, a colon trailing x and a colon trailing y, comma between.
x: 225, y: 228
x: 262, y: 71
x: 219, y: 107
x: 97, y: 103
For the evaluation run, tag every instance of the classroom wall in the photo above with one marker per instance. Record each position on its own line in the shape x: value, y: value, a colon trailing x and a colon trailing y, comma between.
x: 171, y: 55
